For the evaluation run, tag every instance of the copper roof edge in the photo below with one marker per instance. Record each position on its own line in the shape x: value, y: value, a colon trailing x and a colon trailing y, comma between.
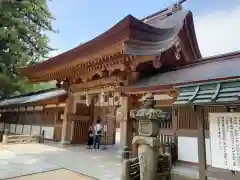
x: 209, y: 59
x: 172, y: 85
x: 32, y: 93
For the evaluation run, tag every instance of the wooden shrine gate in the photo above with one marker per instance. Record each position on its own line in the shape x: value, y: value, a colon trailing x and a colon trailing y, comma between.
x: 80, y: 124
x: 80, y: 129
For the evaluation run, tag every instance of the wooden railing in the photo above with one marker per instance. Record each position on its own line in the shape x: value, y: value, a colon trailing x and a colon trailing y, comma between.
x: 168, y: 144
x: 167, y: 138
x: 165, y: 125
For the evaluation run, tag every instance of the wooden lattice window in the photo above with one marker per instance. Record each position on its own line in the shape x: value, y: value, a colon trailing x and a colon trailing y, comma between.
x: 186, y: 118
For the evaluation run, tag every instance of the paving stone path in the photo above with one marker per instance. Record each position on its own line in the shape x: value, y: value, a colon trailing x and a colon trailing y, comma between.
x: 42, y: 160
x: 23, y: 159
x: 59, y: 174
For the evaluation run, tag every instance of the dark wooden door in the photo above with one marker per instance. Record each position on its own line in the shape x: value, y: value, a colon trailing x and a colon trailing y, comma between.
x: 80, y: 130
x: 81, y: 122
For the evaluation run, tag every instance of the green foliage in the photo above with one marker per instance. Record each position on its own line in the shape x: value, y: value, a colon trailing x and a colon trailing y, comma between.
x: 23, y: 24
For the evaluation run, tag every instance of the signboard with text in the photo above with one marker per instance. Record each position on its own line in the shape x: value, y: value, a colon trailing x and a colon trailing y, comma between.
x: 225, y: 140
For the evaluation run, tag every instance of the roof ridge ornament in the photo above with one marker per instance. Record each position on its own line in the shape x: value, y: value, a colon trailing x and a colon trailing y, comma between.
x: 175, y: 8
x: 171, y: 9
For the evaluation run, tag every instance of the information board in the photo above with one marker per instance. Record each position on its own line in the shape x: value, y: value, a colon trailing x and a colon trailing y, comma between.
x: 225, y: 140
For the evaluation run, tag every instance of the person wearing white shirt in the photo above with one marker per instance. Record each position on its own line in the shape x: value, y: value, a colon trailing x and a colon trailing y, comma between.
x: 97, y: 138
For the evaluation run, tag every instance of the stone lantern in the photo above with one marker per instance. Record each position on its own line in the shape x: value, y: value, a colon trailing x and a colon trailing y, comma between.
x: 147, y: 140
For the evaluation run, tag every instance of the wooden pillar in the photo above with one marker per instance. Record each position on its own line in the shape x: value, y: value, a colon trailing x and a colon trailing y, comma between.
x: 67, y: 123
x: 43, y: 120
x: 56, y: 117
x: 55, y: 124
x: 34, y: 115
x: 126, y: 124
x: 25, y: 117
x: 17, y: 113
x: 201, y: 143
x: 175, y: 128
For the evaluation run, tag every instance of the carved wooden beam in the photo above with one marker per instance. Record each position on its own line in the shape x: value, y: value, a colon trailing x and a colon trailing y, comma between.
x: 110, y: 81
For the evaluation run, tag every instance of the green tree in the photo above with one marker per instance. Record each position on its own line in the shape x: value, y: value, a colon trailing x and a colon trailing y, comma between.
x: 23, y: 41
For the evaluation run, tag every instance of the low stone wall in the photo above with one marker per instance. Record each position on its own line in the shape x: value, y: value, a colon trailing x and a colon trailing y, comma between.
x: 8, y: 139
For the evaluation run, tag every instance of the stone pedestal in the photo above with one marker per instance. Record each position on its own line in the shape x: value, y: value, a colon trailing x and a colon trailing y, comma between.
x: 4, y: 139
x: 147, y: 160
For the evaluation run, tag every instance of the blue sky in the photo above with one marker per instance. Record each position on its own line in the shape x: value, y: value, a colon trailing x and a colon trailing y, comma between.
x: 81, y: 20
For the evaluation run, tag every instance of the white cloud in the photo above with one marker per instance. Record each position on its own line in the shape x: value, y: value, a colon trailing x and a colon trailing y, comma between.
x: 218, y: 31
x: 54, y: 53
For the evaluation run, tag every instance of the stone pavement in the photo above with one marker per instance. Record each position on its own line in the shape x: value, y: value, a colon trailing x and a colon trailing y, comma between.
x: 22, y: 159
x: 59, y: 174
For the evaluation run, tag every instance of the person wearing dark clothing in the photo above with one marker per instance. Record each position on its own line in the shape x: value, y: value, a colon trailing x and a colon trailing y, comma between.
x: 97, y: 136
x: 90, y: 138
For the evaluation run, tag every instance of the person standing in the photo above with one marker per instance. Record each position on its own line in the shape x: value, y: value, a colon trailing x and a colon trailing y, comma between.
x: 98, y: 130
x: 90, y: 138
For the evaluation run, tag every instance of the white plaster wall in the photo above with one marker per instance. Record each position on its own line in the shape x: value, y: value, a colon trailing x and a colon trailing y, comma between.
x: 48, y: 132
x: 35, y: 130
x: 188, y: 149
x: 26, y: 129
x: 19, y: 129
x: 1, y: 126
x: 12, y: 128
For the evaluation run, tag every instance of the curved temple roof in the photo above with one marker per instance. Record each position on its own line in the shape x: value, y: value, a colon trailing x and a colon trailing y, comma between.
x: 133, y: 37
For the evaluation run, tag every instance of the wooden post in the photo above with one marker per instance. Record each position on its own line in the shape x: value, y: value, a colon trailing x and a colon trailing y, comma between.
x: 17, y: 120
x: 34, y: 112
x: 67, y: 124
x: 55, y: 124
x: 43, y: 117
x: 126, y: 123
x: 25, y: 115
x: 175, y: 128
x: 201, y: 143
